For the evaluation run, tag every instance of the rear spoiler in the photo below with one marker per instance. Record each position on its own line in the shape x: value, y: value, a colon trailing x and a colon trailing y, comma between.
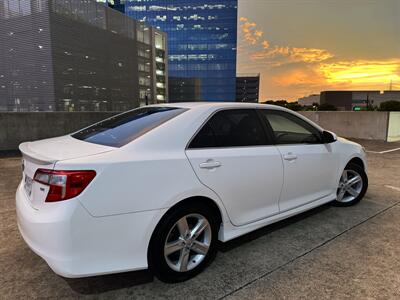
x: 38, y: 158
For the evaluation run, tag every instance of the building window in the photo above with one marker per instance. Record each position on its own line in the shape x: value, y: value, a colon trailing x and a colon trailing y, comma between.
x: 143, y: 67
x: 144, y: 81
x: 159, y: 41
x: 144, y: 52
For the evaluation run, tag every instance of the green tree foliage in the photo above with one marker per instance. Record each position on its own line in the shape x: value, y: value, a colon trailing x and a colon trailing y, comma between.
x: 390, y: 106
x: 297, y: 107
x: 294, y: 106
x: 327, y: 107
x: 290, y: 105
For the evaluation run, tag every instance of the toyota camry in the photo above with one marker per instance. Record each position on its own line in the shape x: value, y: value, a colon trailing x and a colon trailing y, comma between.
x: 157, y: 187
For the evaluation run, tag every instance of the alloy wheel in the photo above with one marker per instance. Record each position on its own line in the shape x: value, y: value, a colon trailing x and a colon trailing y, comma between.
x: 350, y: 186
x: 187, y: 243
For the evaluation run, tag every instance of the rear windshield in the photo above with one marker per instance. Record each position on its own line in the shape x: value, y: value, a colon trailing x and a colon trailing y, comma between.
x: 119, y: 130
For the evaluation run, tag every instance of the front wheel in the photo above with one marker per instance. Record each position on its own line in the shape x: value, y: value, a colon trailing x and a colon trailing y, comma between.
x: 184, y: 243
x: 352, y: 186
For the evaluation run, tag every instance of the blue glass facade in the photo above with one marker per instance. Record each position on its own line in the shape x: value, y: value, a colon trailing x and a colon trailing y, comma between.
x: 202, y: 37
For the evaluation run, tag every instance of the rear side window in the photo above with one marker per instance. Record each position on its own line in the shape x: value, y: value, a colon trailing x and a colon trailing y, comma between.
x: 119, y: 130
x: 230, y: 128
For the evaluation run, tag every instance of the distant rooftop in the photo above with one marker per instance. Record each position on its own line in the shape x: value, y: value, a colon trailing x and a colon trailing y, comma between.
x: 363, y: 91
x: 248, y: 75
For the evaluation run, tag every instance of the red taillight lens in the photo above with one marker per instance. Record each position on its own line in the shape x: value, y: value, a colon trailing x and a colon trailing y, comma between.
x: 64, y: 185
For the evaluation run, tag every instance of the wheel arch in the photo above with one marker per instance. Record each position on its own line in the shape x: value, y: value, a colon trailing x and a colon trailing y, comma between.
x: 355, y: 158
x: 357, y: 161
x: 214, y: 206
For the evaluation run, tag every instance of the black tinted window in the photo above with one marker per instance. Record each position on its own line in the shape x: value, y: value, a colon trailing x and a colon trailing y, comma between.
x: 124, y: 128
x: 230, y: 128
x: 289, y: 129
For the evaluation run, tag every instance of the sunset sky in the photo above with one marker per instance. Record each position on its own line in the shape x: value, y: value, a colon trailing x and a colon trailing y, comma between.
x: 301, y: 47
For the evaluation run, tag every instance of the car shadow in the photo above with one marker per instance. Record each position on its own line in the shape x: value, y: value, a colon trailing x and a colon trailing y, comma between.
x: 104, y: 283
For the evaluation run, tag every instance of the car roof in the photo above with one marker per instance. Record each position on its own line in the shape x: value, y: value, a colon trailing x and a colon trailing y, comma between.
x: 197, y: 107
x: 176, y: 133
x: 218, y: 105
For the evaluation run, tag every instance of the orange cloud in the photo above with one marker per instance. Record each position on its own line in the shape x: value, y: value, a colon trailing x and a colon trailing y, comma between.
x: 265, y: 44
x: 350, y: 75
x: 278, y: 55
x: 299, y: 77
x: 292, y: 54
x: 250, y: 32
x: 362, y: 71
x: 289, y: 72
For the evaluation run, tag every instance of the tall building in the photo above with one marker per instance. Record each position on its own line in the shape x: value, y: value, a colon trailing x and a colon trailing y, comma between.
x: 201, y: 45
x: 247, y: 87
x: 77, y: 55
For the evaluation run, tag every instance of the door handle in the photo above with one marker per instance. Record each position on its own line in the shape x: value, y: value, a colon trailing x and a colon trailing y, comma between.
x: 290, y: 156
x: 210, y: 164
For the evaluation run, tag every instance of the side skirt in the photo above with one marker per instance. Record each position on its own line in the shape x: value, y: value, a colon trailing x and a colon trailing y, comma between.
x: 229, y: 231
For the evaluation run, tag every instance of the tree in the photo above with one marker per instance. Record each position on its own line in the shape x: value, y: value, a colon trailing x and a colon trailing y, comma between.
x: 294, y: 106
x: 391, y: 105
x: 284, y: 103
x: 276, y: 102
x: 327, y: 107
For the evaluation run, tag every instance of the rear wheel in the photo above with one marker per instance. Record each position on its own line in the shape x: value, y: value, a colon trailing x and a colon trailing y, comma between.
x: 352, y: 186
x: 184, y: 243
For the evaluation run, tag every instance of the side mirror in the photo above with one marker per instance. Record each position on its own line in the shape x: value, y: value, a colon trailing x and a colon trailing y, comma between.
x: 329, y: 137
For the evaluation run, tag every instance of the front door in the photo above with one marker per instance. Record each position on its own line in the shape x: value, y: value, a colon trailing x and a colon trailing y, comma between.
x: 310, y: 166
x: 233, y: 157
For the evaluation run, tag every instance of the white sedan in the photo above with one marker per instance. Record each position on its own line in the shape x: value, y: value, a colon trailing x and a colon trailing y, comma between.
x: 156, y: 187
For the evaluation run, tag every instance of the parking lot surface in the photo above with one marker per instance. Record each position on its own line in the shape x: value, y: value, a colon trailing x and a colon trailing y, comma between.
x: 329, y: 252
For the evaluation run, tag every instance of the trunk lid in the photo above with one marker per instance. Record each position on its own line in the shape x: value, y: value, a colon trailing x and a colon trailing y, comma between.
x: 44, y: 154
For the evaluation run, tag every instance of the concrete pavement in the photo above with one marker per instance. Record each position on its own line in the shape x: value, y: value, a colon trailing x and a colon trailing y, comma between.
x: 329, y: 252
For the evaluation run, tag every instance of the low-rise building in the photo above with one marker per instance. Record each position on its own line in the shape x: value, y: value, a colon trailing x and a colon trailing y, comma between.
x: 358, y: 100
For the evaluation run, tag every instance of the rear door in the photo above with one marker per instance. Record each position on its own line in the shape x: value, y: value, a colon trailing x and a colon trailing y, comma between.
x: 232, y: 155
x: 310, y: 166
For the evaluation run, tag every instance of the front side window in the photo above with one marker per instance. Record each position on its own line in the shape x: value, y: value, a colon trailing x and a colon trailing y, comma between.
x: 119, y: 130
x: 230, y: 128
x: 289, y: 129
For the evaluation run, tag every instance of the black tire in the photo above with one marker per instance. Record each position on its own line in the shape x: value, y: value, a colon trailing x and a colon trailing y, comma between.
x: 360, y: 171
x: 158, y: 262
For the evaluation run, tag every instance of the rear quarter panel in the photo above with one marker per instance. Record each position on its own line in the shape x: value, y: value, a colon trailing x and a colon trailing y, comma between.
x: 125, y: 184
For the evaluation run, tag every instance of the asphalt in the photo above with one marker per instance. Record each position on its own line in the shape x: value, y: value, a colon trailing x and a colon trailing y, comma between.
x: 329, y: 252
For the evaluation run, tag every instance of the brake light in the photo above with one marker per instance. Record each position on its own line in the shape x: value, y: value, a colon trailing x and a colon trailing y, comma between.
x: 64, y: 185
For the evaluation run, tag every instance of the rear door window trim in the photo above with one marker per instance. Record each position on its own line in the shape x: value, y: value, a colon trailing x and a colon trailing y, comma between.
x: 267, y: 136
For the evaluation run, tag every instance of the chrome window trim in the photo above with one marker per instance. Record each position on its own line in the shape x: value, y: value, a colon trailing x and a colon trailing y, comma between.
x: 210, y: 116
x: 281, y: 111
x: 255, y: 109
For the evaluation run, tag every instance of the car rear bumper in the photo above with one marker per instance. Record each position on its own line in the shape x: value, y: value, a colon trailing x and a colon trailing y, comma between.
x: 76, y: 244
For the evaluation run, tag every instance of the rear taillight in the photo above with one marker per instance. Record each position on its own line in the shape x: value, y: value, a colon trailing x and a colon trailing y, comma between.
x: 64, y: 185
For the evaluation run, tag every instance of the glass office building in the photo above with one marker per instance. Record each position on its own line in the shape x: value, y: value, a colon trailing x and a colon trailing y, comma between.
x: 202, y: 37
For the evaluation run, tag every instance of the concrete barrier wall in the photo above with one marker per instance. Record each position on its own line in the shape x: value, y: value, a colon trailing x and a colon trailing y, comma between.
x: 394, y: 127
x: 370, y: 125
x: 18, y: 127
